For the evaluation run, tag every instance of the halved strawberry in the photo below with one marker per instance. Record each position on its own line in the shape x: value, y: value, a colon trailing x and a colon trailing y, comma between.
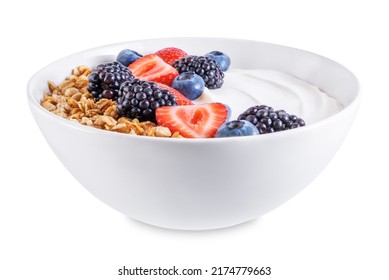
x: 152, y: 68
x: 169, y: 55
x: 180, y: 98
x: 193, y: 121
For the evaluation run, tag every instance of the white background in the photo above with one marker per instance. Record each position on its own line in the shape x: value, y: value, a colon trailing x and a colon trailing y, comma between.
x: 52, y: 228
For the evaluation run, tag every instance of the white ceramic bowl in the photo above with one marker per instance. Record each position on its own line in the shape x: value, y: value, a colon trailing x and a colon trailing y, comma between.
x: 197, y: 184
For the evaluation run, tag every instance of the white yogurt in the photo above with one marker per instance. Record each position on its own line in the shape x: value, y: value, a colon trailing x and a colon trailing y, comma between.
x: 245, y: 88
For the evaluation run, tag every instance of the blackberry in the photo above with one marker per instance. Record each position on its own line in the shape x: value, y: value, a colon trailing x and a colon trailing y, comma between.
x: 203, y: 66
x: 105, y: 80
x: 139, y: 99
x: 267, y: 120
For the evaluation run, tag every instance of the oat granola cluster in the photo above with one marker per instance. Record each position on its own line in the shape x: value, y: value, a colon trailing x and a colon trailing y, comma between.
x: 72, y: 100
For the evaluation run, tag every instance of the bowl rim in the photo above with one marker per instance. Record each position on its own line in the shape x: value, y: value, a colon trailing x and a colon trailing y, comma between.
x: 34, y: 104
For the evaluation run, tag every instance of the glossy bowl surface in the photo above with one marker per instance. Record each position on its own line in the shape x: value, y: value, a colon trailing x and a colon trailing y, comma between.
x: 197, y: 184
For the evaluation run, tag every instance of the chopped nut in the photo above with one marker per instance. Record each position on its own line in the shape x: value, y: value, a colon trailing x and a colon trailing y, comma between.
x: 51, y: 86
x: 86, y: 121
x: 48, y: 106
x: 65, y: 85
x: 121, y: 127
x: 151, y: 131
x: 75, y: 111
x: 77, y: 96
x: 139, y: 130
x: 76, y: 71
x: 109, y: 120
x: 161, y: 131
x: 69, y: 92
x: 73, y: 103
x: 177, y: 135
x: 83, y: 70
x: 111, y: 111
x: 93, y: 112
x: 103, y: 104
x: 82, y: 82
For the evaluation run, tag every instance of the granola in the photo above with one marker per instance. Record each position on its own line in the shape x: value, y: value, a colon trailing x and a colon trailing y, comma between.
x: 71, y: 100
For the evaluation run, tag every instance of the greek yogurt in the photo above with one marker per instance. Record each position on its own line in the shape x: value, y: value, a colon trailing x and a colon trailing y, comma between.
x: 245, y: 88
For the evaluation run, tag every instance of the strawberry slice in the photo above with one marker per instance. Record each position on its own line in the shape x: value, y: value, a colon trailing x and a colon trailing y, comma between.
x: 180, y: 98
x: 169, y: 55
x: 193, y: 121
x: 152, y: 68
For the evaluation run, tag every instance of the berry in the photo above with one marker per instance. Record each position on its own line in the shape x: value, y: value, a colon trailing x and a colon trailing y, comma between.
x: 267, y: 120
x: 229, y: 112
x: 203, y: 66
x: 152, y: 68
x: 169, y: 55
x: 237, y: 128
x: 139, y: 99
x: 105, y: 80
x: 193, y: 121
x: 222, y: 60
x: 189, y: 84
x: 126, y: 57
x: 180, y: 98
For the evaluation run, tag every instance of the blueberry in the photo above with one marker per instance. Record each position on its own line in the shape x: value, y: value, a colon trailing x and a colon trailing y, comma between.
x: 229, y: 112
x: 189, y: 84
x: 126, y: 57
x: 222, y: 60
x: 237, y: 128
